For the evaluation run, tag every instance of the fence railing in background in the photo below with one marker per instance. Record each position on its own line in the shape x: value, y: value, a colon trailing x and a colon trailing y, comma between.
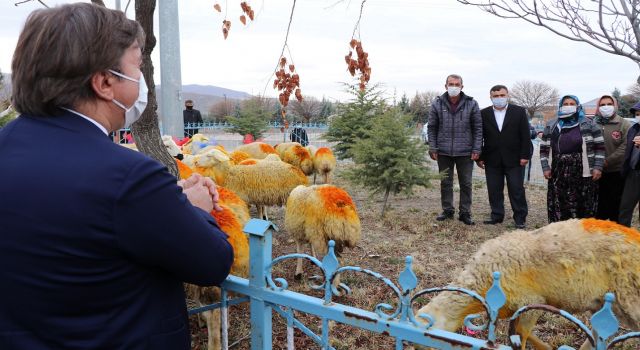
x: 266, y: 295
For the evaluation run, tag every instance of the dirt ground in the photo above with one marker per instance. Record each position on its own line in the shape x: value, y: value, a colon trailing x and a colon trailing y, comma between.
x: 439, y: 249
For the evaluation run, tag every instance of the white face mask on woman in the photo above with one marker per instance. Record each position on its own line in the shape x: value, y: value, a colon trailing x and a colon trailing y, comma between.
x: 568, y: 110
x: 133, y: 113
x: 606, y: 111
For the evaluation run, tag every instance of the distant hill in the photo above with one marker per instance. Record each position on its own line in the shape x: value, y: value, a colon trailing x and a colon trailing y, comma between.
x: 203, y: 96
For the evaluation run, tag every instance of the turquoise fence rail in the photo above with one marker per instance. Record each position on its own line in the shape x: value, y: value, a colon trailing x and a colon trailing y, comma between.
x: 267, y: 295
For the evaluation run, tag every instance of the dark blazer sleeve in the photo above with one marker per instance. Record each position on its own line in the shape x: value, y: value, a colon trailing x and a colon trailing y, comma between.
x: 525, y: 134
x: 157, y: 226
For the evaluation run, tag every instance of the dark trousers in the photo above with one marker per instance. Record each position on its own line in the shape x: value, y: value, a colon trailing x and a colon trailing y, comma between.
x: 630, y: 197
x: 464, y: 167
x: 515, y: 185
x: 609, y: 196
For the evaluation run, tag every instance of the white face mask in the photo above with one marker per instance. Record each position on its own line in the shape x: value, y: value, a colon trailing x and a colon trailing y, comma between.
x: 500, y: 102
x: 133, y: 113
x: 568, y: 109
x: 454, y: 90
x: 606, y: 111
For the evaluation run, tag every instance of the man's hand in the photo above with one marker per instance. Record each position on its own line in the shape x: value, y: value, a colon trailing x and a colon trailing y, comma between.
x: 480, y: 164
x: 475, y: 156
x: 547, y: 174
x: 596, y: 174
x: 202, y: 192
x: 524, y: 162
x: 433, y: 155
x: 636, y: 141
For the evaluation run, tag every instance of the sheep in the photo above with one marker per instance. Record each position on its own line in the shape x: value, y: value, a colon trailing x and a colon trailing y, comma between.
x: 317, y: 214
x: 569, y: 265
x: 293, y: 153
x: 230, y: 225
x: 231, y: 200
x: 257, y: 150
x: 264, y: 183
x: 324, y: 163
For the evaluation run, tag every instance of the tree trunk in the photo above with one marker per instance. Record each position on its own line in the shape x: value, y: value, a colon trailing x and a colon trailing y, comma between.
x: 384, y: 201
x: 146, y: 131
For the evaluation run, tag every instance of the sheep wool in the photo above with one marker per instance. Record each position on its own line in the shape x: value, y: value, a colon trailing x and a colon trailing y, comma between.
x: 207, y: 295
x: 263, y: 183
x: 569, y: 265
x: 324, y: 163
x: 294, y: 154
x: 239, y: 207
x: 319, y: 213
x: 183, y: 170
x: 257, y: 150
x: 238, y: 156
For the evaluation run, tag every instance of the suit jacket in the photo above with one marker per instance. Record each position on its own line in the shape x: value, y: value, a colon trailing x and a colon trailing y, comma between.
x: 96, y: 241
x: 505, y: 148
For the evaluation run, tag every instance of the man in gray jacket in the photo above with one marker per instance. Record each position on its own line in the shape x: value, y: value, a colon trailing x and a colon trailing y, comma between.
x: 455, y: 139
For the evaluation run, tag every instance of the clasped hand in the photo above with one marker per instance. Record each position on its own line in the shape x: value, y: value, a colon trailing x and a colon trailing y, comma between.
x: 202, y: 192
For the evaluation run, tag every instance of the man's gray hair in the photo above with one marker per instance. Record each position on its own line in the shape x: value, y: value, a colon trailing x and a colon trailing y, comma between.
x: 454, y: 76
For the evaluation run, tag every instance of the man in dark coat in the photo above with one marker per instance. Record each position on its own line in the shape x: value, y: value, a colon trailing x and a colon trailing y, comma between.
x: 190, y: 117
x: 506, y: 151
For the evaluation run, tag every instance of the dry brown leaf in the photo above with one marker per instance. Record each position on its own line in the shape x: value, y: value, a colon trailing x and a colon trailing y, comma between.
x: 243, y: 19
x: 283, y: 62
x: 292, y: 67
x: 217, y: 7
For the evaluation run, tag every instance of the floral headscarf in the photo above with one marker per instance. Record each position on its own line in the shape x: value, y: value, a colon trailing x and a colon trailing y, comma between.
x: 569, y: 120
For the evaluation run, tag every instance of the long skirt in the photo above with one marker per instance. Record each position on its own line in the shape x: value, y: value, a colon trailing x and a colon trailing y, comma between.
x: 569, y: 194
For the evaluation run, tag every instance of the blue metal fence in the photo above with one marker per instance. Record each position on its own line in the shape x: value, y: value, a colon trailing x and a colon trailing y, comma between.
x: 266, y: 295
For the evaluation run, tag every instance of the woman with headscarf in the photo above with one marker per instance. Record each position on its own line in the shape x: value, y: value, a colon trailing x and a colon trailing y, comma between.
x: 614, y: 131
x: 577, y: 157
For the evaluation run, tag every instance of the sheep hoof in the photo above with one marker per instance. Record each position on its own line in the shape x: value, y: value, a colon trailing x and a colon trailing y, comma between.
x: 297, y: 276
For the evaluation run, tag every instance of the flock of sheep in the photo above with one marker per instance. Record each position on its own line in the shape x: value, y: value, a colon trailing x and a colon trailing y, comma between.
x: 569, y: 265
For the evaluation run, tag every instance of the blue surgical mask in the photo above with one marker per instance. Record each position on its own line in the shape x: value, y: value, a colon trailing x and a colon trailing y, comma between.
x: 500, y: 102
x: 133, y: 113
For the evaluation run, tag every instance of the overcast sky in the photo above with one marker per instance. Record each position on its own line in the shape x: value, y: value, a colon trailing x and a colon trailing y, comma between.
x: 412, y: 44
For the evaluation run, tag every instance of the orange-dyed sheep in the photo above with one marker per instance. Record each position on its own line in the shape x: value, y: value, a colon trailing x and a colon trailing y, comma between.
x: 208, y: 295
x: 294, y: 154
x: 264, y: 183
x: 324, y: 163
x: 239, y: 207
x: 319, y: 213
x: 257, y: 150
x: 569, y: 265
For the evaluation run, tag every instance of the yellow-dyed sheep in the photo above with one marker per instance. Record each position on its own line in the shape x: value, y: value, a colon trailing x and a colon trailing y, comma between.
x: 294, y: 154
x: 569, y: 265
x: 319, y: 213
x: 258, y: 182
x: 257, y: 150
x: 324, y: 163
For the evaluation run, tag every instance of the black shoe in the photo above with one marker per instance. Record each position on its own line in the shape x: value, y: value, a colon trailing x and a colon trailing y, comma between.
x: 492, y: 222
x: 445, y: 216
x: 521, y: 226
x: 466, y: 219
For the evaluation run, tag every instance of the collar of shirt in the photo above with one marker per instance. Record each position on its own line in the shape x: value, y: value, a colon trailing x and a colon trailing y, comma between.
x: 499, y: 114
x: 104, y: 130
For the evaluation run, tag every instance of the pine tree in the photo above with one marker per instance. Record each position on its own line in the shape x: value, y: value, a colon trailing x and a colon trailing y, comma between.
x: 251, y: 119
x: 389, y: 159
x: 404, y: 103
x: 354, y: 118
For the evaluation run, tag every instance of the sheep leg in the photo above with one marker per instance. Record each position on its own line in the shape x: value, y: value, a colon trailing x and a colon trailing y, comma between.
x: 314, y: 178
x: 586, y: 345
x: 213, y: 328
x: 525, y: 329
x: 262, y: 212
x: 327, y: 178
x: 298, y: 274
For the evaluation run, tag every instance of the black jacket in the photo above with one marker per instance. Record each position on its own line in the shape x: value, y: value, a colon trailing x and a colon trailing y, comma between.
x: 191, y: 116
x: 505, y: 148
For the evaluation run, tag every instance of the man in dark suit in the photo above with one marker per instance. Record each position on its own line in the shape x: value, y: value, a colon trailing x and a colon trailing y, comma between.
x: 191, y: 117
x: 96, y: 240
x: 505, y: 153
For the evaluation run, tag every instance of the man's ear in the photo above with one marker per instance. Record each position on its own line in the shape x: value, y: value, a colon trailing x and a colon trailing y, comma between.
x: 102, y: 85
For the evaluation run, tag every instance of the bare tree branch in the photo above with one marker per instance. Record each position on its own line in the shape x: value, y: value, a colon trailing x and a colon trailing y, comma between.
x: 357, y: 26
x: 533, y: 95
x: 25, y: 1
x: 284, y: 46
x: 98, y: 2
x: 612, y: 26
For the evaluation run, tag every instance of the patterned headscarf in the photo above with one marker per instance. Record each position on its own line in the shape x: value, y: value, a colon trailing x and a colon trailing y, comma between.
x: 569, y: 120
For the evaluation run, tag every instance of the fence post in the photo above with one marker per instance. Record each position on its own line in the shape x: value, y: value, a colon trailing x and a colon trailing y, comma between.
x: 260, y: 233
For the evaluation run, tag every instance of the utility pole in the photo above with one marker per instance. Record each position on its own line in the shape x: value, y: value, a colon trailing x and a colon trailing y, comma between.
x: 170, y: 69
x: 118, y: 7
